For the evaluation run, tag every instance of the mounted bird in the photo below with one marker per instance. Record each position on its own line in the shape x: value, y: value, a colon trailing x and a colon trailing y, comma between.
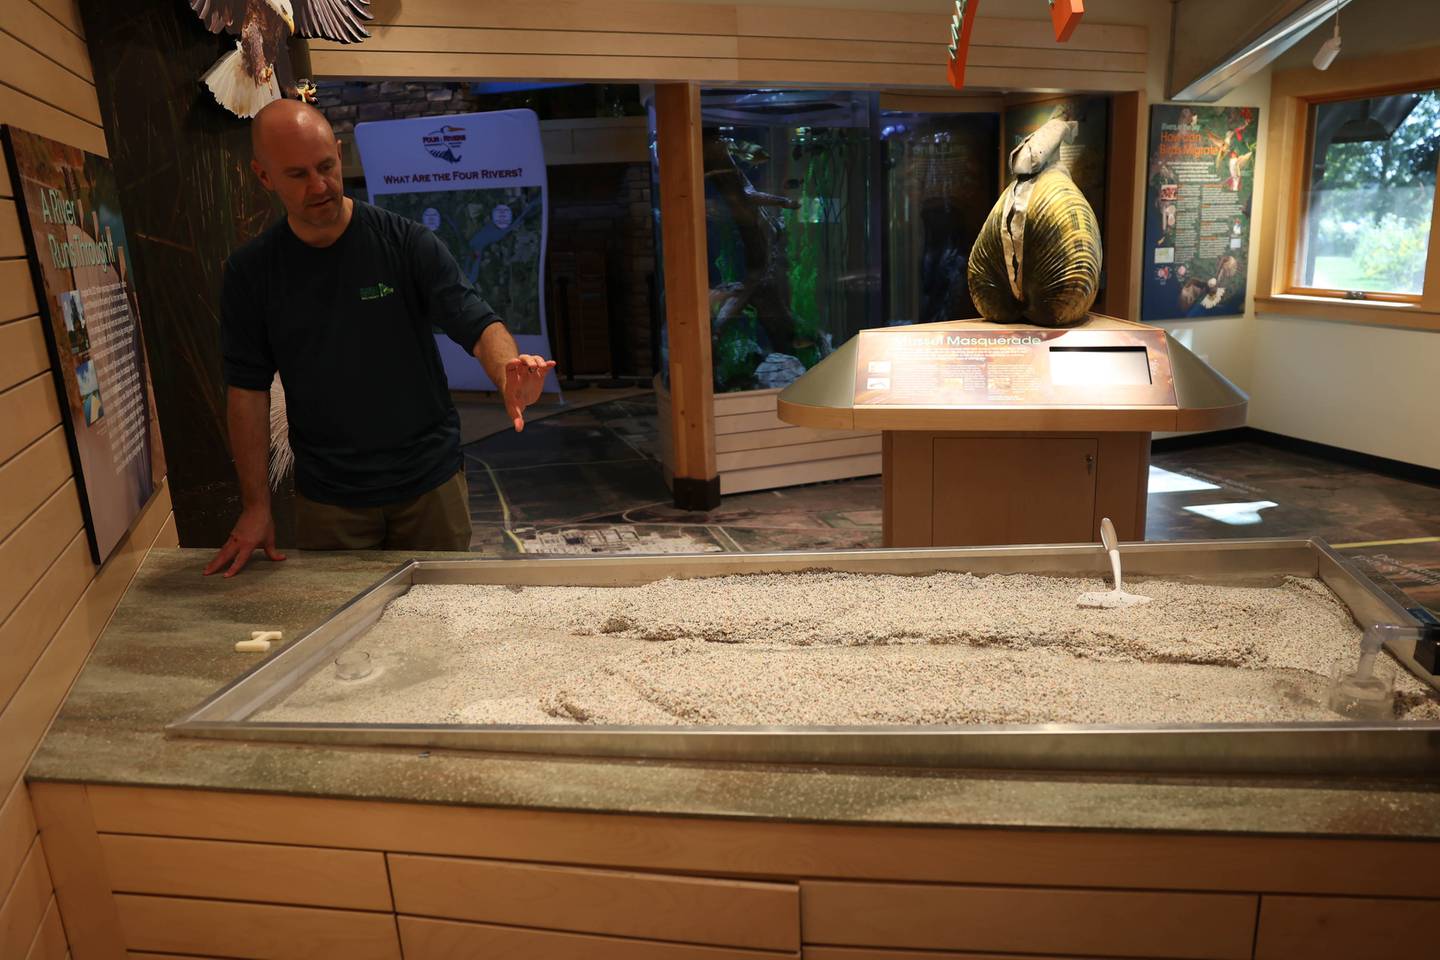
x: 258, y: 70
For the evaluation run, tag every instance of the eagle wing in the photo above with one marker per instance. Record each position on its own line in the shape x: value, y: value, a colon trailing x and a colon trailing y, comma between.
x: 337, y: 20
x: 220, y: 15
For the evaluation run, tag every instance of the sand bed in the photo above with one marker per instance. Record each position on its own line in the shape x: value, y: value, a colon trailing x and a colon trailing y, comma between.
x: 830, y: 648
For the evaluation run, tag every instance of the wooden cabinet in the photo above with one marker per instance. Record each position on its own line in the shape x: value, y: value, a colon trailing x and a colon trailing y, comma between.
x: 426, y: 939
x: 947, y: 489
x: 1197, y: 926
x: 254, y: 931
x: 1346, y: 928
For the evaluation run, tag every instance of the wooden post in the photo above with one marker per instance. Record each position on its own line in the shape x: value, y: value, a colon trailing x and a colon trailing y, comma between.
x: 696, y: 483
x: 1122, y: 214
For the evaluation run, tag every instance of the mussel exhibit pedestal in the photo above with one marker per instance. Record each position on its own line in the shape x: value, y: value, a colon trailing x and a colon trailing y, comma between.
x: 1012, y: 433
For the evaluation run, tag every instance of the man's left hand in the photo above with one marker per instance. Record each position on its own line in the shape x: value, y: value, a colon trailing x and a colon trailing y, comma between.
x: 524, y: 379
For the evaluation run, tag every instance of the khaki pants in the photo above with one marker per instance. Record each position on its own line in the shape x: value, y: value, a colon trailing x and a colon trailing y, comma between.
x: 438, y: 520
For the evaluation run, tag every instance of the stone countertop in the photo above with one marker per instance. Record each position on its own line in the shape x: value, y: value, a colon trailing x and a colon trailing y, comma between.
x: 170, y: 646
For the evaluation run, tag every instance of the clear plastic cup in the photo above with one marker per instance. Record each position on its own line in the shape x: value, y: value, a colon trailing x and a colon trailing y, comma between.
x: 353, y: 665
x: 1362, y: 697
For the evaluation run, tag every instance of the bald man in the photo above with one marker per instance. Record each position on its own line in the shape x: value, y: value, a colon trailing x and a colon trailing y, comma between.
x: 341, y: 299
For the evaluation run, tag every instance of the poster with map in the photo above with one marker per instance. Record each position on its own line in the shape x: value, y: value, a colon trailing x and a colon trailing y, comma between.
x: 69, y: 209
x: 478, y: 181
x: 1199, y: 193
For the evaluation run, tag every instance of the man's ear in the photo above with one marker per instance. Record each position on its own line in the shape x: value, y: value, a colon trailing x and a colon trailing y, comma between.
x: 260, y: 172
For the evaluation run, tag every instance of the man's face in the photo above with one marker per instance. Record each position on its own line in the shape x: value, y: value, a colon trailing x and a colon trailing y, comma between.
x: 302, y: 167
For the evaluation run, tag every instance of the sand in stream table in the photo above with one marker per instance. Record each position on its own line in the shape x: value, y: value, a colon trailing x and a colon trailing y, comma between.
x: 838, y: 648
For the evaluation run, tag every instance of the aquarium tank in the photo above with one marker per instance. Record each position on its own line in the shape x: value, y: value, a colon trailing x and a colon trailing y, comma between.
x: 827, y: 215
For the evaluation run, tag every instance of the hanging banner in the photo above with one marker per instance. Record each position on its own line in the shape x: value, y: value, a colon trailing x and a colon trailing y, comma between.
x: 69, y: 210
x: 478, y: 181
x: 1197, y: 211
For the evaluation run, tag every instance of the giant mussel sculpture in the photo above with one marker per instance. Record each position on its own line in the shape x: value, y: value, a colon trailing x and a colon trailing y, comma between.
x: 1037, y: 259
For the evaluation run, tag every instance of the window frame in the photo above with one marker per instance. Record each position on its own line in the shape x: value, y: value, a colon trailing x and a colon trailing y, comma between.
x: 1294, y: 94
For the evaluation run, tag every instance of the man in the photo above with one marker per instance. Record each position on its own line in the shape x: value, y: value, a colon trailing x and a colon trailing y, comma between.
x: 340, y: 297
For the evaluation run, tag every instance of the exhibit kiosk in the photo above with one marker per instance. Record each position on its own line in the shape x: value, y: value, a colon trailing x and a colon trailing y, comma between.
x: 1012, y: 433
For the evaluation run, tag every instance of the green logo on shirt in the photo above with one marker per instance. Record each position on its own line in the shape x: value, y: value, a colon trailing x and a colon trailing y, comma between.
x: 376, y: 292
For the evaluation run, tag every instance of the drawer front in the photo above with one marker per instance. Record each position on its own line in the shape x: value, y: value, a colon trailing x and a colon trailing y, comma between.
x: 1346, y: 928
x: 253, y: 931
x: 1029, y: 920
x: 426, y: 939
x: 731, y: 913
x: 214, y: 869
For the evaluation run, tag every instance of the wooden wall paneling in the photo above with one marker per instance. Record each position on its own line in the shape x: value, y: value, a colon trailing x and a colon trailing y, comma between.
x: 17, y: 292
x: 23, y: 353
x: 65, y: 12
x: 543, y: 42
x: 49, y: 942
x: 30, y: 477
x: 800, y: 453
x: 31, y: 25
x: 47, y: 81
x: 1202, y: 926
x: 24, y: 635
x: 778, y: 437
x: 729, y: 913
x: 303, y: 876
x: 1344, y: 928
x: 909, y: 469
x: 169, y: 537
x: 224, y: 928
x: 746, y: 422
x: 12, y: 241
x: 687, y: 289
x: 792, y: 474
x: 7, y: 189
x: 28, y: 411
x: 749, y: 401
x: 359, y: 63
x: 779, y: 850
x: 578, y: 15
x: 34, y: 115
x: 17, y: 834
x: 24, y: 720
x: 82, y: 886
x: 23, y: 909
x: 426, y: 939
x: 868, y: 953
x: 27, y: 553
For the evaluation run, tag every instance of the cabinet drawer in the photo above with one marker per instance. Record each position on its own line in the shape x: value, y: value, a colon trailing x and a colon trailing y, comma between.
x: 215, y: 869
x: 1344, y: 928
x: 426, y: 939
x: 731, y: 913
x: 254, y: 931
x: 1029, y: 920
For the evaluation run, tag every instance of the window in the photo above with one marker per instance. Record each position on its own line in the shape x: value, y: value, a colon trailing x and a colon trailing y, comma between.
x: 1369, y: 197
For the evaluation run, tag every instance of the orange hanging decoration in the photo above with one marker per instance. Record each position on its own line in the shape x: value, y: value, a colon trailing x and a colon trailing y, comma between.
x: 960, y: 26
x: 1065, y: 17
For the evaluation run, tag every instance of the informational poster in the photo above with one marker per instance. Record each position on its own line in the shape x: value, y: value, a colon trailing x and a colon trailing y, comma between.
x: 477, y: 180
x: 966, y: 367
x: 1086, y: 156
x: 1201, y: 184
x: 75, y: 236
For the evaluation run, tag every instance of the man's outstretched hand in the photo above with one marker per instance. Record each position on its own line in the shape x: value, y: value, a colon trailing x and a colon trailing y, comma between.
x: 255, y: 528
x: 524, y: 379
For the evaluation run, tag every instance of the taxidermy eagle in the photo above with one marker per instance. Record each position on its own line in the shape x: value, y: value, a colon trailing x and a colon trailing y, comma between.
x: 258, y: 69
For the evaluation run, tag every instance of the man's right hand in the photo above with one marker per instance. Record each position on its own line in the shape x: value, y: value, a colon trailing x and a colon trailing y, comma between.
x: 255, y: 528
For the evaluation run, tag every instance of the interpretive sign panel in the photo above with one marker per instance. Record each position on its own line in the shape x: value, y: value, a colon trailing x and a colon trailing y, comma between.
x: 1197, y: 213
x: 478, y: 181
x: 965, y: 367
x: 79, y: 263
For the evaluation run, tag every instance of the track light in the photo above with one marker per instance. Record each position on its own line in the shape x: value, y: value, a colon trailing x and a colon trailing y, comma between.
x: 1330, y: 49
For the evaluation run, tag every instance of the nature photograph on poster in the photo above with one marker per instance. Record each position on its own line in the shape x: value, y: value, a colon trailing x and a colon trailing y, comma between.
x: 495, y: 235
x: 70, y: 215
x: 1199, y: 196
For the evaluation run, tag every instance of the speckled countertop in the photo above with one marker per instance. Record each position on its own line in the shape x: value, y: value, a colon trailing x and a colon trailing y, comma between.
x: 170, y: 646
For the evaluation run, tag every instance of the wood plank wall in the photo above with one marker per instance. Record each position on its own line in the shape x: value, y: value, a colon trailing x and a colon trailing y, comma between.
x: 728, y: 43
x: 53, y: 600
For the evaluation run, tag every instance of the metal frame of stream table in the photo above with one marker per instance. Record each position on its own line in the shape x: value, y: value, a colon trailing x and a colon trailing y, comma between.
x: 1339, y: 748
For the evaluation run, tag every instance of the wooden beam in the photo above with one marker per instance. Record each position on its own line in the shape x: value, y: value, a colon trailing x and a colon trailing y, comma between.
x: 687, y: 295
x: 1120, y: 208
